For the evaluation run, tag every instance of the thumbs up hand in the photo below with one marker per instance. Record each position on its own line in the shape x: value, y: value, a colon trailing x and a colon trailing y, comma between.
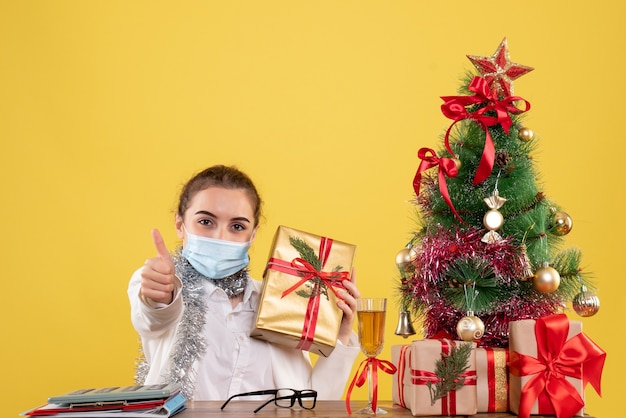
x: 158, y: 280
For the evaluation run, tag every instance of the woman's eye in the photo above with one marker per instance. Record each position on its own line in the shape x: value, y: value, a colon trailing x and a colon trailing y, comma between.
x: 205, y: 222
x: 238, y: 227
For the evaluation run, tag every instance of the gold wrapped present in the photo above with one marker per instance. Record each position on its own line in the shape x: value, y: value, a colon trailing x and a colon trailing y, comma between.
x: 301, y: 284
x: 492, y: 379
x: 419, y: 384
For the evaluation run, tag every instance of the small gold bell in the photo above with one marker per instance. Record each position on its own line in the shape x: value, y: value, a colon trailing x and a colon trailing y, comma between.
x: 405, y: 325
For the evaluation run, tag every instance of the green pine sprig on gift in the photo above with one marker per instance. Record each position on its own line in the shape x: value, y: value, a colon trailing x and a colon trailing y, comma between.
x: 449, y: 369
x: 316, y: 286
x: 307, y: 253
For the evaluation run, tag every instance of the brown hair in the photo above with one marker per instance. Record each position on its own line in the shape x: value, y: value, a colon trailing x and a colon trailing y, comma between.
x: 220, y: 176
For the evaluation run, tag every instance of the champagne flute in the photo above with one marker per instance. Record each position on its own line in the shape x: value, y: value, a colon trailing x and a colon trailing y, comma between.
x: 371, y: 318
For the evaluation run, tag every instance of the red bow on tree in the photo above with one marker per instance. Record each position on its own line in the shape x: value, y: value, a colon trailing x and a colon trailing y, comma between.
x: 447, y: 167
x: 455, y: 109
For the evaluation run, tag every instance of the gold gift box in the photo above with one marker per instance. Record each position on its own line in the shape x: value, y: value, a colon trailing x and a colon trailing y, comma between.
x: 289, y: 319
x: 422, y: 356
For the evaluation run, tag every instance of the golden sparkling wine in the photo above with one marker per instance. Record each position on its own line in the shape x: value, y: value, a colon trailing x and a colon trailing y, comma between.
x: 371, y: 332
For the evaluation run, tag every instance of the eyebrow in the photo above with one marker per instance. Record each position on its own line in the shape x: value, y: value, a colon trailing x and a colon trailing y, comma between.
x: 207, y: 213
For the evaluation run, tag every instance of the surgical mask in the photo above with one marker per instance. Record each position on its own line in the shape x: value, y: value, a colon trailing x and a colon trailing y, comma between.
x: 216, y: 258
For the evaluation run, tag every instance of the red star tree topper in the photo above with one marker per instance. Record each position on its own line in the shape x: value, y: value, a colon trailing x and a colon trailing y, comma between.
x: 498, y: 70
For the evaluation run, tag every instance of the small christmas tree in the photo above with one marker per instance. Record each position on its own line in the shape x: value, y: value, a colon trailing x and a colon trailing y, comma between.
x: 487, y: 247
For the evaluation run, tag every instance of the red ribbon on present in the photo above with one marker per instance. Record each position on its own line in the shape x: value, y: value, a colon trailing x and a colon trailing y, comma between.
x: 557, y: 357
x: 361, y: 377
x: 401, y: 372
x: 455, y: 108
x: 302, y: 268
x: 491, y: 378
x: 423, y: 377
x: 447, y: 167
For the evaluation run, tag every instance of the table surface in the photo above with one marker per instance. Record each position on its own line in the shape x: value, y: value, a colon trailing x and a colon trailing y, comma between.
x: 329, y: 409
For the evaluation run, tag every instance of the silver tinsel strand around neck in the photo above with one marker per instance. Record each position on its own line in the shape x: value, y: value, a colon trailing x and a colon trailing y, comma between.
x: 190, y: 344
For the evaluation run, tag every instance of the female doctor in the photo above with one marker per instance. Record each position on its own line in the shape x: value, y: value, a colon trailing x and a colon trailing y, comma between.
x: 196, y: 307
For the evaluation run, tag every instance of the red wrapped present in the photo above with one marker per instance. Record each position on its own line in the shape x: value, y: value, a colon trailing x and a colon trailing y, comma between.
x: 298, y: 305
x: 551, y: 361
x: 418, y: 384
x: 492, y: 379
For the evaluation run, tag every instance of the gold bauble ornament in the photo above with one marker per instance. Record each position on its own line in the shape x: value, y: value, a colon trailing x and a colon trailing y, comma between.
x: 457, y: 162
x: 404, y: 260
x: 403, y: 256
x: 470, y: 328
x: 525, y: 134
x: 561, y: 223
x: 546, y: 279
x: 586, y: 303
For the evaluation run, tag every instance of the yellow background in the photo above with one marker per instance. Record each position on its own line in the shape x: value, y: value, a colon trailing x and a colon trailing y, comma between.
x: 107, y: 107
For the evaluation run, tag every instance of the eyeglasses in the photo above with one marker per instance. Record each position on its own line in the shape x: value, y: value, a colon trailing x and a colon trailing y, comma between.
x: 284, y: 398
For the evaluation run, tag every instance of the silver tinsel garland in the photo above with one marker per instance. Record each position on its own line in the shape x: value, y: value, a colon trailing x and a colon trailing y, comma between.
x: 190, y: 344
